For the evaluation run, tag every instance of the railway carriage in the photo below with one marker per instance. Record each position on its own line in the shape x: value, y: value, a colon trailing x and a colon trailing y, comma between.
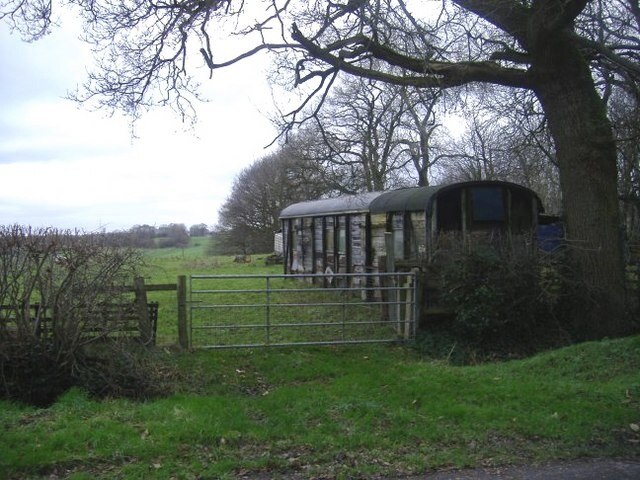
x: 411, y: 226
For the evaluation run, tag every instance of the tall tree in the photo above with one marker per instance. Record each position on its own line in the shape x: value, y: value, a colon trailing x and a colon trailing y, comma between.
x: 249, y: 217
x: 419, y: 130
x: 370, y: 136
x: 505, y: 138
x: 359, y: 125
x: 538, y: 45
x: 480, y: 153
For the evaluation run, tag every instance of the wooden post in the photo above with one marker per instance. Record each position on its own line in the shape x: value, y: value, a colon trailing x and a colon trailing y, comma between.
x: 146, y: 335
x: 393, y: 295
x: 390, y: 261
x: 408, y: 308
x: 183, y: 334
x: 420, y: 299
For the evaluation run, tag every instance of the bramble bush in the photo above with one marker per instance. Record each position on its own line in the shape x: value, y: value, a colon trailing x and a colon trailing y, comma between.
x: 54, y: 286
x: 505, y: 305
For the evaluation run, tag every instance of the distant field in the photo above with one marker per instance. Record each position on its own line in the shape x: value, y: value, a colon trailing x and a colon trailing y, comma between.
x: 165, y: 264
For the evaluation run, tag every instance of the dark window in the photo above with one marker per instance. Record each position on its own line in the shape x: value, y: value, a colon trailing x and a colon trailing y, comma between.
x: 521, y: 211
x: 449, y: 211
x: 487, y: 204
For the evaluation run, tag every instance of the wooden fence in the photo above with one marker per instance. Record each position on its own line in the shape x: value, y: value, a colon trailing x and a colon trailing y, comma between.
x: 138, y: 318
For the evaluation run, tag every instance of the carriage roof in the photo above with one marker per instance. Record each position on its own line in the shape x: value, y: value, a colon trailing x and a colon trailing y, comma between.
x: 400, y: 200
x: 325, y: 206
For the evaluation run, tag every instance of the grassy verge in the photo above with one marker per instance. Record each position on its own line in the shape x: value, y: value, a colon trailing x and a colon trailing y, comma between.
x: 337, y: 412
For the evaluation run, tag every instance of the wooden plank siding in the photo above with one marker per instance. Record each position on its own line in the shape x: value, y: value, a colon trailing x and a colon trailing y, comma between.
x: 410, y: 229
x: 347, y: 234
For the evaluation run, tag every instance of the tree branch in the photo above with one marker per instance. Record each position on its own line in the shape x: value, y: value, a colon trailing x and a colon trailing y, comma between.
x: 432, y: 74
x: 554, y: 15
x: 632, y: 67
x: 507, y: 15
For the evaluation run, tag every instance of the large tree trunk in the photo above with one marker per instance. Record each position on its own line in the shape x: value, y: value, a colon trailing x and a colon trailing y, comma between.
x: 586, y: 157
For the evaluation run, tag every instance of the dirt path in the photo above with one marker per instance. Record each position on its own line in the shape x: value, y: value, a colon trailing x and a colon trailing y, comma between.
x: 587, y: 469
x: 581, y: 469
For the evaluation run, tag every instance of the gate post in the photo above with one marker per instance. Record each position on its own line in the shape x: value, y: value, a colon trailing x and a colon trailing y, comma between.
x: 183, y: 335
x: 419, y: 297
x: 142, y: 310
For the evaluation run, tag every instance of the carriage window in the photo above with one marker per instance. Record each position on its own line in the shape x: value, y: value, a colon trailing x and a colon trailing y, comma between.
x: 397, y: 224
x: 328, y: 235
x: 487, y: 204
x: 342, y: 235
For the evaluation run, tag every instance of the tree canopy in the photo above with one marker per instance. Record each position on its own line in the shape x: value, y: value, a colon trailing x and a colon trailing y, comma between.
x: 249, y: 217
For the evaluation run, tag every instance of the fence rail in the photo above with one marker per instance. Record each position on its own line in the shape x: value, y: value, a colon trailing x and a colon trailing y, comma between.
x: 108, y: 320
x: 231, y: 311
x: 116, y: 317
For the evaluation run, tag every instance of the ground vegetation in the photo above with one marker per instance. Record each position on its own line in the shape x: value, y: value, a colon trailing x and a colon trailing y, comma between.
x: 330, y: 412
x: 62, y: 295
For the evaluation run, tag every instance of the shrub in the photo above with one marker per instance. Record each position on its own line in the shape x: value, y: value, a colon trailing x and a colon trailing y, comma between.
x: 504, y: 304
x: 55, y: 289
x: 122, y: 369
x: 31, y: 372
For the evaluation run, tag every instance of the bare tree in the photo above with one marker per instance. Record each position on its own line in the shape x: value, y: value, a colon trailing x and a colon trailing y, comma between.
x: 199, y: 230
x: 359, y: 125
x: 505, y: 139
x: 173, y: 235
x: 420, y: 127
x: 250, y: 215
x: 480, y: 153
x: 625, y: 113
x: 142, y: 236
x: 370, y: 136
x: 537, y: 45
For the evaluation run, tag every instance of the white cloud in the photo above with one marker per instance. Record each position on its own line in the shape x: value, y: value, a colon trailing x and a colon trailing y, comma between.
x: 67, y: 167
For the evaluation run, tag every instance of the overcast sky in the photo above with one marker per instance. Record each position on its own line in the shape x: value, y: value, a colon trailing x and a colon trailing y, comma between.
x: 66, y: 167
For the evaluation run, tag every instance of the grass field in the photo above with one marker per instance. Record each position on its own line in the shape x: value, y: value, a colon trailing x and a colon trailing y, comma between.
x: 164, y: 266
x: 331, y: 412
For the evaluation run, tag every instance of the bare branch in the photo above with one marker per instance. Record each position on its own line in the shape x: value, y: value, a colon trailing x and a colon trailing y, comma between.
x: 433, y: 74
x: 631, y: 66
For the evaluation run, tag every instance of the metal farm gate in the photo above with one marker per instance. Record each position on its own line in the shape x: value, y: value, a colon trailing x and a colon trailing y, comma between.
x: 230, y: 311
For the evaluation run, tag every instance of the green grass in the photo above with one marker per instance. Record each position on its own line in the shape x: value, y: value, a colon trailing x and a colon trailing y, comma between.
x: 338, y: 411
x: 331, y: 411
x: 166, y: 264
